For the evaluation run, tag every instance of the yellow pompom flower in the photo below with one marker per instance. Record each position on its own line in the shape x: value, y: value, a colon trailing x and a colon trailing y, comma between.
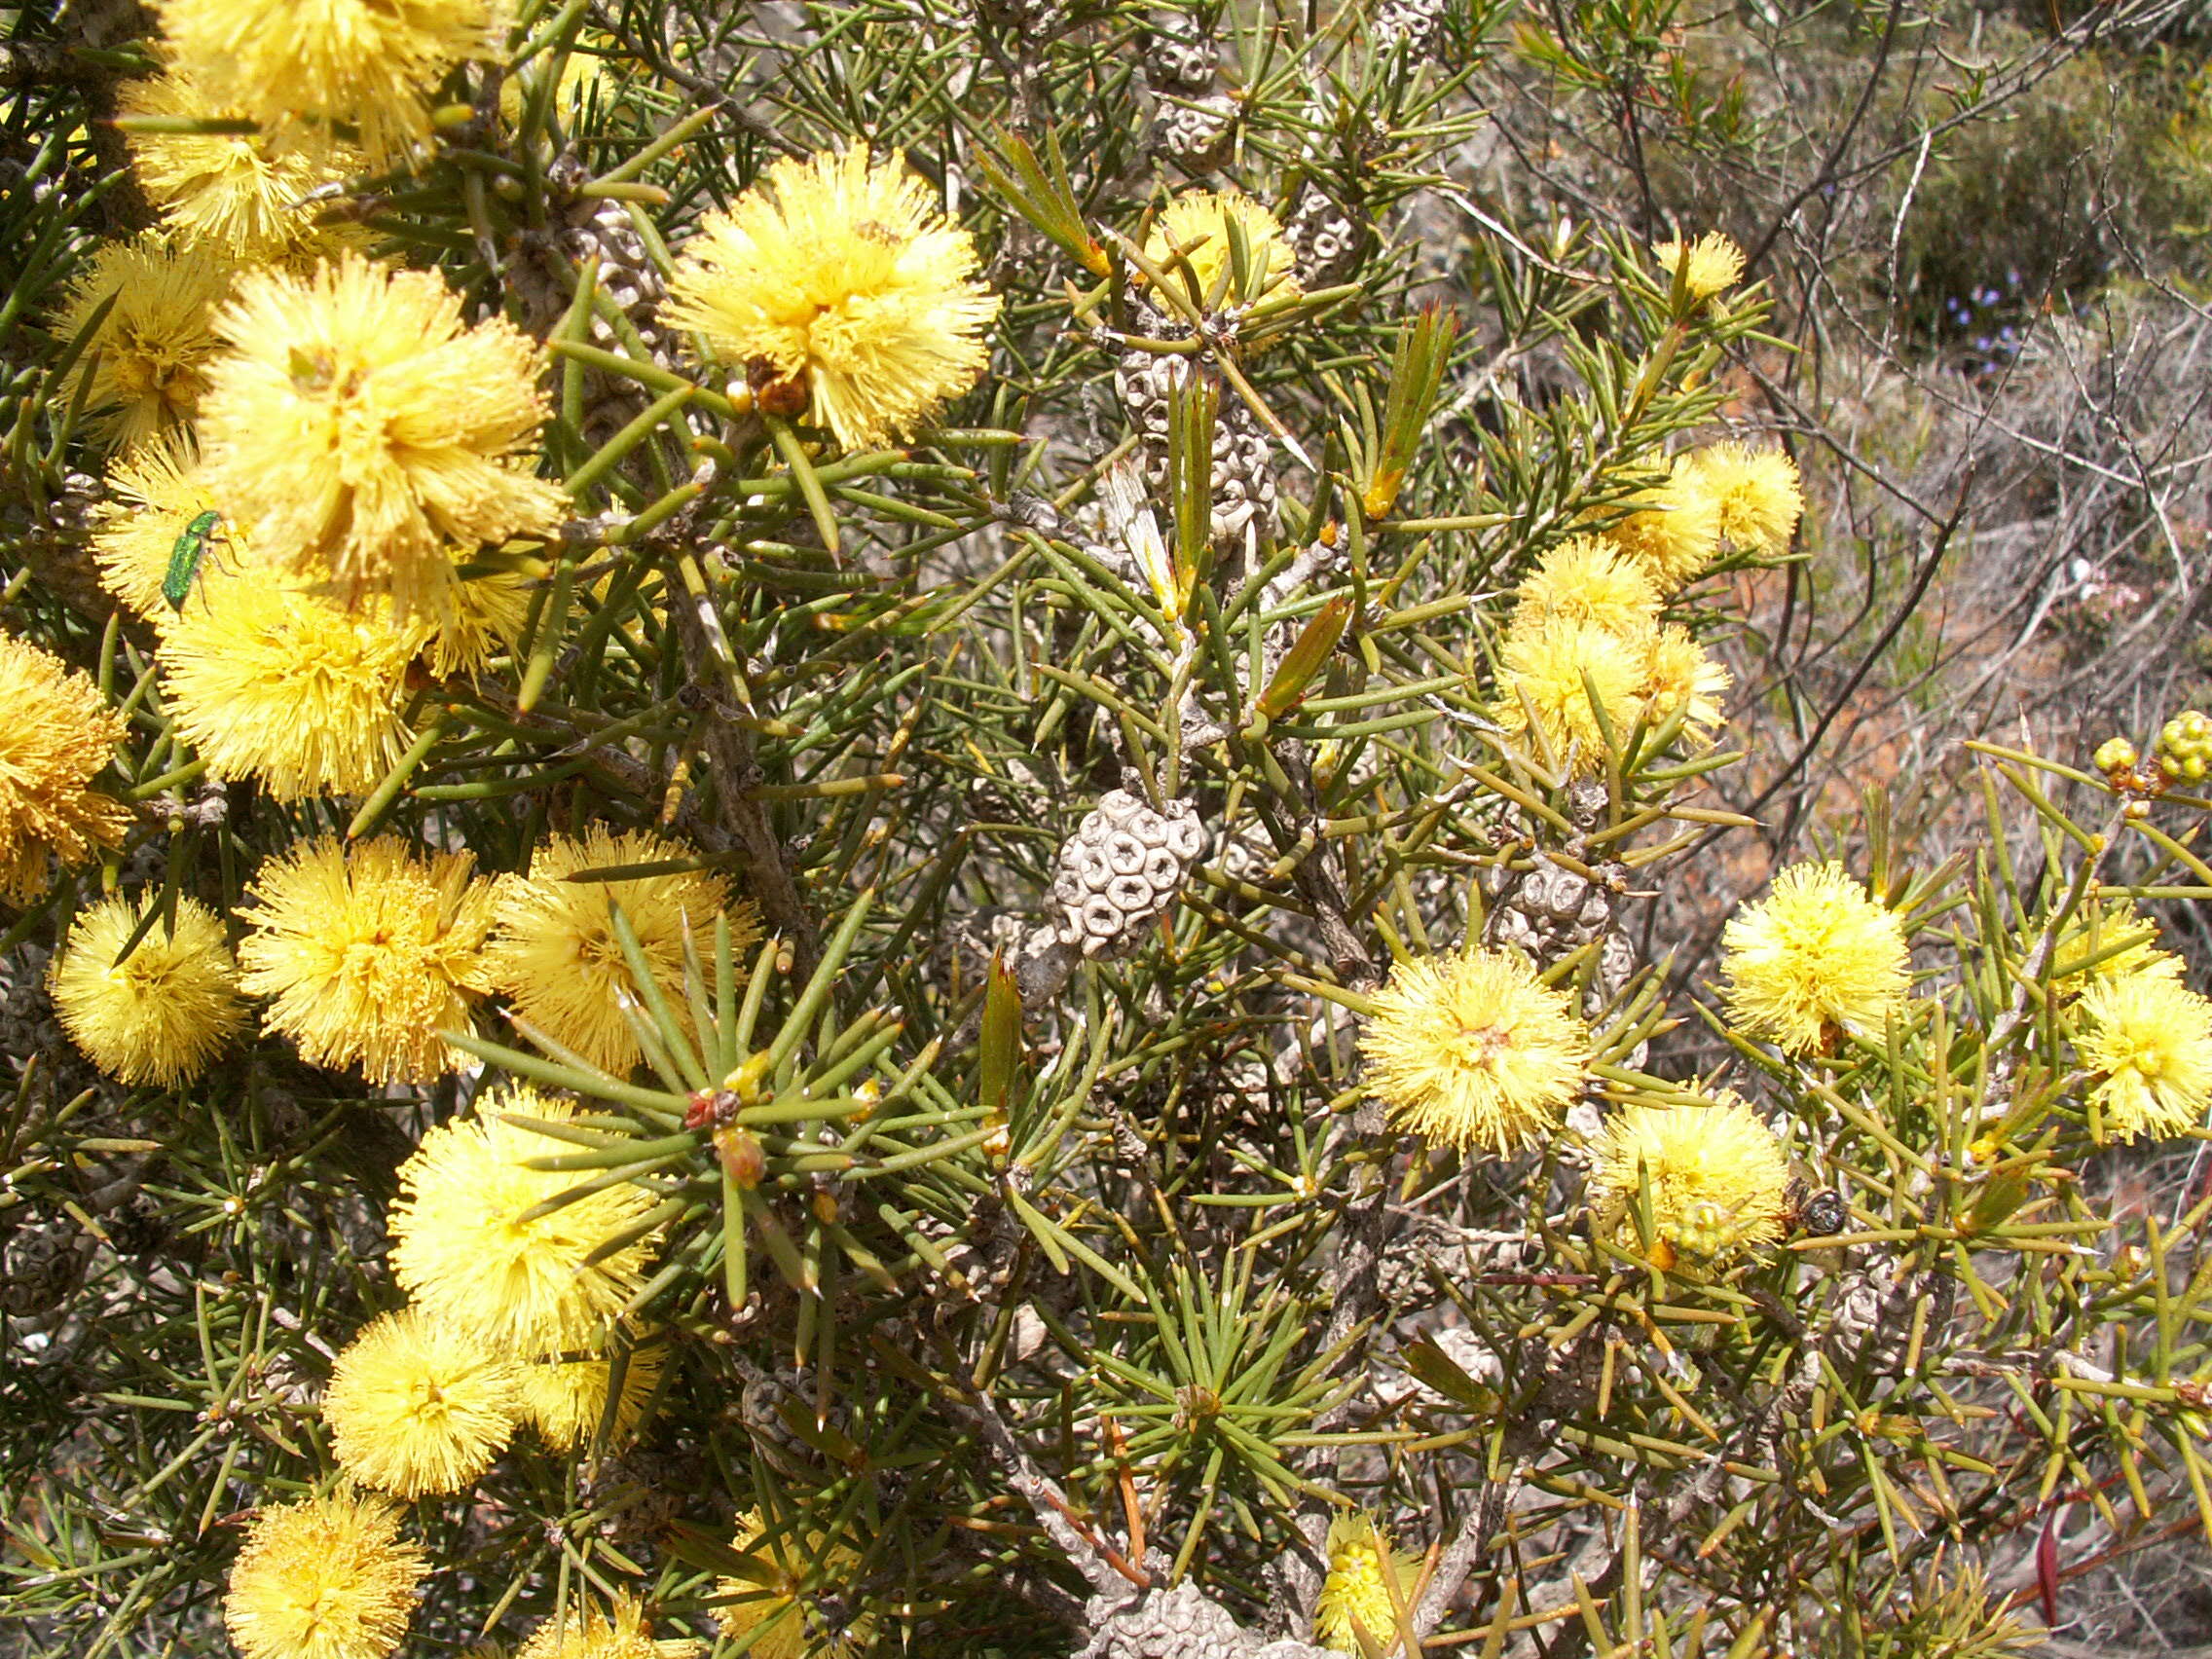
x: 1196, y: 225
x: 1672, y: 528
x: 298, y: 66
x: 1719, y: 1180
x: 775, y: 1607
x: 1753, y: 493
x: 161, y: 1013
x: 1814, y: 957
x: 147, y: 363
x: 368, y: 952
x: 244, y: 193
x: 2150, y: 1038
x: 2080, y: 962
x: 56, y: 733
x: 1474, y: 1051
x: 1681, y: 675
x: 556, y: 957
x: 323, y: 1578
x: 367, y: 432
x: 1714, y: 263
x: 415, y: 1408
x: 156, y: 491
x: 270, y: 682
x: 1368, y: 1582
x: 564, y: 1398
x: 1547, y: 673
x: 1586, y: 579
x: 622, y: 1632
x: 459, y: 1250
x: 486, y: 618
x: 841, y: 276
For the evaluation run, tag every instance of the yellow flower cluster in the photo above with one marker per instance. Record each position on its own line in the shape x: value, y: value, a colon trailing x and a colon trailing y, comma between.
x: 1474, y: 1051
x: 1725, y: 495
x: 2148, y: 1040
x: 1586, y: 658
x: 159, y: 1013
x: 323, y: 1578
x: 840, y: 279
x: 1198, y: 229
x: 773, y: 1610
x: 1368, y: 1585
x: 514, y: 1317
x: 1716, y: 1179
x: 1813, y: 960
x: 56, y: 733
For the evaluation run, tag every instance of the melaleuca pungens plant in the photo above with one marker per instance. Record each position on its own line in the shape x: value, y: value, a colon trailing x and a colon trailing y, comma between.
x: 836, y: 849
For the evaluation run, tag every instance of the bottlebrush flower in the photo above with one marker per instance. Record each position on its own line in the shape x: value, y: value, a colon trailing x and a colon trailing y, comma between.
x: 622, y: 1632
x: 323, y: 1578
x: 245, y: 195
x: 564, y: 1398
x: 416, y: 1408
x: 368, y: 952
x: 1473, y: 1050
x: 1755, y: 495
x: 840, y: 277
x: 1547, y: 674
x: 368, y: 433
x: 161, y: 1013
x: 1196, y: 224
x: 56, y: 733
x: 156, y: 492
x: 145, y: 368
x: 1672, y: 528
x: 776, y: 1609
x: 1718, y: 1179
x: 1813, y: 957
x: 556, y: 957
x: 2150, y: 1038
x: 1678, y: 673
x: 1714, y: 263
x: 1368, y: 1582
x: 300, y: 66
x: 271, y: 682
x: 1586, y: 579
x: 461, y: 1251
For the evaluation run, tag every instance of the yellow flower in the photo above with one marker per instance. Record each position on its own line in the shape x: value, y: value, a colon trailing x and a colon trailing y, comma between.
x: 2096, y: 929
x: 1368, y: 1583
x: 2150, y: 1037
x: 1586, y: 579
x: 776, y: 1608
x: 270, y: 682
x: 157, y: 492
x: 1813, y: 956
x: 521, y: 1286
x: 1672, y: 528
x: 368, y: 952
x: 148, y: 362
x: 159, y: 1014
x: 416, y: 1408
x: 245, y: 194
x: 365, y: 430
x: 300, y: 65
x: 486, y: 618
x: 841, y: 275
x: 1474, y: 1051
x: 323, y: 1578
x: 1718, y: 1179
x: 1679, y: 674
x: 1196, y: 224
x: 564, y: 1398
x: 558, y: 961
x: 1716, y: 263
x: 1754, y: 492
x: 55, y: 735
x: 1548, y: 671
x: 620, y: 1633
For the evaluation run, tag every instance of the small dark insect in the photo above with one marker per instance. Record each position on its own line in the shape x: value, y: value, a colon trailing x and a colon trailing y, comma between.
x: 1823, y: 1213
x: 184, y: 559
x: 784, y: 396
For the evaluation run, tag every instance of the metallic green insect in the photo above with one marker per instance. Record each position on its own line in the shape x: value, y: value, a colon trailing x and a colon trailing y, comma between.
x: 184, y: 559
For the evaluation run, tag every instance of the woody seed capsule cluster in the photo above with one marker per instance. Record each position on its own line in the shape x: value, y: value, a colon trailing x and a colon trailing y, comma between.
x: 1244, y: 483
x: 1120, y: 871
